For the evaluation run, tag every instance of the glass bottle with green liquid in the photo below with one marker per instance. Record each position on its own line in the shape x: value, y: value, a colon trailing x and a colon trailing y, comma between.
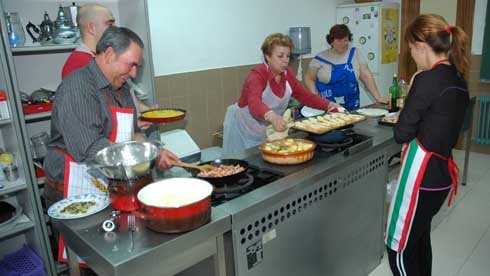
x: 394, y: 93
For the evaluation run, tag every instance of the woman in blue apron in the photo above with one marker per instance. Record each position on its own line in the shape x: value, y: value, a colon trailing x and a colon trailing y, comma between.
x: 265, y: 96
x: 429, y: 126
x: 333, y: 73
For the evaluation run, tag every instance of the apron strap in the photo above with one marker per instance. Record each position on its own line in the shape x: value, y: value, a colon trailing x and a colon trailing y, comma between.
x: 323, y: 60
x: 351, y: 54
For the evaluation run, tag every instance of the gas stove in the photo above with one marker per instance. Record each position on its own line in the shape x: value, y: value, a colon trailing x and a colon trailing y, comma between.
x: 253, y: 179
x: 353, y: 143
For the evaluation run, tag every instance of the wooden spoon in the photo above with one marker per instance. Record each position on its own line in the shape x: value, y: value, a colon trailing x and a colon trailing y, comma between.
x: 205, y: 167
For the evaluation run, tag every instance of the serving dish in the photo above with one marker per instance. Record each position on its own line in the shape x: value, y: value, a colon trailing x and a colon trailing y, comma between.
x: 163, y: 115
x: 372, y: 112
x: 389, y: 119
x: 288, y: 151
x: 56, y: 210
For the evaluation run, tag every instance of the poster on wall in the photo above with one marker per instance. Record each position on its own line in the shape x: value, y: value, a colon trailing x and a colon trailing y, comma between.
x: 389, y: 30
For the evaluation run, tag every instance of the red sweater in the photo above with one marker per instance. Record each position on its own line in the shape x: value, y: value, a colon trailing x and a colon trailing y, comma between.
x: 256, y: 82
x: 76, y: 60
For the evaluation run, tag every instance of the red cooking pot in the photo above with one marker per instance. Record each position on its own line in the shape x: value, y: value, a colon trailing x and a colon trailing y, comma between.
x: 175, y: 205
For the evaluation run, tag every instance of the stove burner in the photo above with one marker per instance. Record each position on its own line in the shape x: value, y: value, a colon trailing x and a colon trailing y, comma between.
x: 253, y: 179
x: 241, y: 184
x: 332, y: 146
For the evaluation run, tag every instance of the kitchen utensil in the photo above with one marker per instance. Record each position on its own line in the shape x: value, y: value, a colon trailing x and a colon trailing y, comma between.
x: 15, y: 29
x: 205, y: 167
x: 123, y: 192
x: 131, y: 229
x: 229, y: 179
x: 64, y: 33
x: 9, y: 213
x: 163, y: 115
x: 175, y: 205
x: 111, y: 224
x: 99, y: 185
x: 44, y: 33
x: 126, y: 160
x: 287, y: 153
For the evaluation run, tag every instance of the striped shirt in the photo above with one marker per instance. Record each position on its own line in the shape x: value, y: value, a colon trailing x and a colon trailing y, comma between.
x: 81, y: 120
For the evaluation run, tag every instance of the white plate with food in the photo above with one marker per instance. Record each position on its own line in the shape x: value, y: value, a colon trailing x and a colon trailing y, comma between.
x: 372, y: 112
x: 78, y: 206
x: 311, y: 112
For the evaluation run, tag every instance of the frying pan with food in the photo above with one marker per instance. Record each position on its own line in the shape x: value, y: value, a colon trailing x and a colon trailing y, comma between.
x: 221, y: 181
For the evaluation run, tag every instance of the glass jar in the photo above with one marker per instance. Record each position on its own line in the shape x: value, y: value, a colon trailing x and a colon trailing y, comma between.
x: 40, y: 144
x: 15, y: 29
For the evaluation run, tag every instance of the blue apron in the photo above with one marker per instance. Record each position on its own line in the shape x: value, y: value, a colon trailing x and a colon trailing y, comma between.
x: 343, y: 83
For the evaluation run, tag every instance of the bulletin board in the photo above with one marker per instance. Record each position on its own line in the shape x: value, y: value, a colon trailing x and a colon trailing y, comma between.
x: 390, y: 35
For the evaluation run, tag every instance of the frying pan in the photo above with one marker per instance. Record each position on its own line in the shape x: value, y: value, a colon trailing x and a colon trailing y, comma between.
x: 334, y: 136
x: 221, y: 181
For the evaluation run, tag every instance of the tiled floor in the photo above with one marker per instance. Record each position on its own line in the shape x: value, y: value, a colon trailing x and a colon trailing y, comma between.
x: 461, y: 233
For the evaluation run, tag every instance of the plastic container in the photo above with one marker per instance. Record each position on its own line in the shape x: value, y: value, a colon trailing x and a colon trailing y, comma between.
x: 22, y: 262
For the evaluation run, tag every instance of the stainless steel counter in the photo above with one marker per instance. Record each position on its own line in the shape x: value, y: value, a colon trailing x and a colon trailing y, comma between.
x: 293, y: 226
x: 324, y: 218
x: 153, y: 254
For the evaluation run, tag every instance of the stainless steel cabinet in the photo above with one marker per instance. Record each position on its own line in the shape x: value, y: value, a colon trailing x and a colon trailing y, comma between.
x: 26, y: 69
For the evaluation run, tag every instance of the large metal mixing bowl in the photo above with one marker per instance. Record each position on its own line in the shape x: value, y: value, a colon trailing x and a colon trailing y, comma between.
x: 126, y: 160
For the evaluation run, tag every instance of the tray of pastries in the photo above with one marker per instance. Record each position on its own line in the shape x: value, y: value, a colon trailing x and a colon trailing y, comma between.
x: 324, y: 123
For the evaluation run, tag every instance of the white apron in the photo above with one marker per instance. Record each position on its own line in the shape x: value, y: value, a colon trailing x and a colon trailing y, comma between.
x: 405, y: 198
x: 78, y: 181
x: 242, y: 130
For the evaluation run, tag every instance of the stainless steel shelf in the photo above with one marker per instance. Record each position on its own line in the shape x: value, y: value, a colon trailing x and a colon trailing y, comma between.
x: 12, y: 186
x: 5, y: 122
x: 44, y: 48
x: 21, y: 224
x: 37, y: 116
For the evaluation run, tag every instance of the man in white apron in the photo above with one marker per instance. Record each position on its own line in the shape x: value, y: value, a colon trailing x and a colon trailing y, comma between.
x: 93, y: 109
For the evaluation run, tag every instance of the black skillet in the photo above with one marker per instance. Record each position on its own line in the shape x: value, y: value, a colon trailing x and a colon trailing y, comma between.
x: 221, y: 181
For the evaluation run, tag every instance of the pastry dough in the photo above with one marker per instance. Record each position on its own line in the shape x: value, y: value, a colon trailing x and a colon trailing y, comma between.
x: 323, y: 123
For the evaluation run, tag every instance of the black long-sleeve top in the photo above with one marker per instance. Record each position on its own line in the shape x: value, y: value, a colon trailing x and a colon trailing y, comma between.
x: 434, y: 112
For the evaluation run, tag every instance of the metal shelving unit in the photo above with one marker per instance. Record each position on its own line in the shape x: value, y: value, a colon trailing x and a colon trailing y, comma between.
x: 9, y: 187
x: 44, y: 48
x: 38, y: 116
x: 37, y: 66
x: 17, y: 226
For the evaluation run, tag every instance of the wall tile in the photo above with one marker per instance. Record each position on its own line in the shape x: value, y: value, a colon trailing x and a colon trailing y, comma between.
x: 178, y: 84
x: 229, y: 84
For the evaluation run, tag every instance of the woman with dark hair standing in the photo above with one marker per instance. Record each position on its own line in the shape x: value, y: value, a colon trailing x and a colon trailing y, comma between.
x: 429, y: 126
x: 334, y: 73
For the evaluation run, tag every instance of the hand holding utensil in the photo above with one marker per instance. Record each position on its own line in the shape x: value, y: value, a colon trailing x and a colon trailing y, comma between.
x: 205, y: 167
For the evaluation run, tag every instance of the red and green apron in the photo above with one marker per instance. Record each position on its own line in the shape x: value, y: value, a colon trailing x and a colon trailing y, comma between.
x: 404, y: 202
x: 78, y: 181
